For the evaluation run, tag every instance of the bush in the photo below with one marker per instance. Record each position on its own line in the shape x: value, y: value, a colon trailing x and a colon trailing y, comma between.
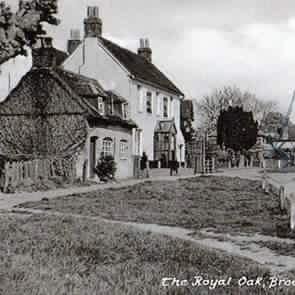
x: 106, y: 168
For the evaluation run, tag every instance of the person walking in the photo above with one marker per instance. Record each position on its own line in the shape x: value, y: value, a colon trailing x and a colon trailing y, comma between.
x: 144, y: 165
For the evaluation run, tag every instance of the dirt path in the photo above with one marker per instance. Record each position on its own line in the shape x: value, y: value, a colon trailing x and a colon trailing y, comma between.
x: 238, y: 245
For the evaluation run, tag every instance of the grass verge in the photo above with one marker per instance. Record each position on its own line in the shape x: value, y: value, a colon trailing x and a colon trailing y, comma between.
x: 225, y: 204
x: 63, y: 255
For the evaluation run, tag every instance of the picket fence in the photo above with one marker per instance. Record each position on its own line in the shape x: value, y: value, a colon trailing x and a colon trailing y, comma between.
x: 17, y: 173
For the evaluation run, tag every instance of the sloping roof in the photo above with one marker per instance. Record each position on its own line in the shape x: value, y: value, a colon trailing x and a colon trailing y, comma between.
x: 82, y: 85
x: 140, y: 67
x: 116, y: 97
x: 77, y: 86
x: 35, y: 90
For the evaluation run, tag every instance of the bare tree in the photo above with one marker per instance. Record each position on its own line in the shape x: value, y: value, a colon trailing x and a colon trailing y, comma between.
x: 20, y: 29
x: 209, y: 107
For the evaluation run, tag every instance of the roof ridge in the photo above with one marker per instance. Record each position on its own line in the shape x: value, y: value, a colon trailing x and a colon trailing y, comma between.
x: 138, y: 66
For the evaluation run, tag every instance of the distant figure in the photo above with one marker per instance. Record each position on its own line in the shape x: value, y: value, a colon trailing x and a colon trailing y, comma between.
x: 144, y: 165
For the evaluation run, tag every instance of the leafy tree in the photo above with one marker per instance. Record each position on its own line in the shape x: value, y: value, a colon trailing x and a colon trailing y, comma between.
x: 20, y: 29
x: 236, y: 129
x: 210, y: 106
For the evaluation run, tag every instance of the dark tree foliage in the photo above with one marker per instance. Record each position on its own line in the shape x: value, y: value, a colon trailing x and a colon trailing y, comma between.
x: 236, y: 129
x: 106, y: 168
x: 20, y: 29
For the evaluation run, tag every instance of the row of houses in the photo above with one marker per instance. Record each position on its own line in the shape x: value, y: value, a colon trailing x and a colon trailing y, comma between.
x: 97, y: 99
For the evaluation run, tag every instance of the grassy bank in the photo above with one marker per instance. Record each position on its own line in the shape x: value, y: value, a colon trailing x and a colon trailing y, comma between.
x: 56, y: 255
x: 226, y: 204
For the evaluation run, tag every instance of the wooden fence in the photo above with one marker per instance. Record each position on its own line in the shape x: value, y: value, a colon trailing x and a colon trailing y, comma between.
x: 17, y: 173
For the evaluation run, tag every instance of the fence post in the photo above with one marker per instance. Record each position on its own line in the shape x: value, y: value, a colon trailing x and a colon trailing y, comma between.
x: 282, y: 198
x: 264, y: 184
x: 292, y: 211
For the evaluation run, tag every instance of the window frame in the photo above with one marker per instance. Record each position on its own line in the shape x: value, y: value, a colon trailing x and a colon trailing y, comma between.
x: 125, y: 110
x: 109, y: 143
x: 101, y: 105
x: 123, y: 149
x: 149, y: 102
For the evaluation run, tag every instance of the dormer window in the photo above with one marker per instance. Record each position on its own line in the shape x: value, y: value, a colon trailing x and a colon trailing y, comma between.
x: 100, y: 105
x: 125, y: 110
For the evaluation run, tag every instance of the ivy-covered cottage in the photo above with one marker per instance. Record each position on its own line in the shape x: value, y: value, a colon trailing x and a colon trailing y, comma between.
x: 56, y: 113
x: 153, y: 99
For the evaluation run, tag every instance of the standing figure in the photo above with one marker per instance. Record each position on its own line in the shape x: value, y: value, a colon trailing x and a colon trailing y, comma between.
x: 144, y: 165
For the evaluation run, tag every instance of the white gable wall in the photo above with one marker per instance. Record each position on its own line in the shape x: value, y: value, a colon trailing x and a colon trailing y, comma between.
x: 91, y: 60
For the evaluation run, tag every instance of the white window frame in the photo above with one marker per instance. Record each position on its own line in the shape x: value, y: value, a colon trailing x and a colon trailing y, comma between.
x: 149, y: 98
x: 124, y: 149
x: 108, y: 147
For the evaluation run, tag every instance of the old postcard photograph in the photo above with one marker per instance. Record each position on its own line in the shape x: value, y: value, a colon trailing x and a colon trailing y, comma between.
x: 147, y: 147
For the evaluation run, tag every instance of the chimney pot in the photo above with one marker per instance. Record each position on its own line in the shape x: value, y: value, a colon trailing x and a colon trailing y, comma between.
x: 141, y: 43
x: 93, y: 24
x: 93, y: 11
x: 145, y: 50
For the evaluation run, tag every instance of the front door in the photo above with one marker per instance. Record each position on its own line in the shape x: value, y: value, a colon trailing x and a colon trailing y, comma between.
x: 92, y: 155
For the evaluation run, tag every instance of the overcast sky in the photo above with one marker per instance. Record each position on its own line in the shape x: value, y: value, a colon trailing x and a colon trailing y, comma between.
x: 201, y: 44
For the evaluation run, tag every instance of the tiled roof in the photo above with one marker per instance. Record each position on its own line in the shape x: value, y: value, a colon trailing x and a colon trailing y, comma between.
x: 82, y: 85
x: 140, y: 67
x: 76, y: 85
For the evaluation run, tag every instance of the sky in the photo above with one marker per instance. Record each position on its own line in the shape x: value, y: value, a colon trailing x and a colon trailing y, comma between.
x: 201, y: 45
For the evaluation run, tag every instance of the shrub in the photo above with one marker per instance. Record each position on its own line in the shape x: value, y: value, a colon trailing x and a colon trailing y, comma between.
x: 106, y: 168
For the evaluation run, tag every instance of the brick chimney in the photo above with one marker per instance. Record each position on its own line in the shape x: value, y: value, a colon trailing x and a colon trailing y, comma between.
x: 92, y: 24
x: 74, y: 41
x: 144, y: 49
x: 43, y: 54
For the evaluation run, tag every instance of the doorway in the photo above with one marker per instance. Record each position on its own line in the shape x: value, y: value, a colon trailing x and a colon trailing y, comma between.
x: 92, y: 152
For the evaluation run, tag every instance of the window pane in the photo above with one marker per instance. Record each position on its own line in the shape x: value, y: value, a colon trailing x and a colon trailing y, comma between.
x: 149, y: 102
x: 123, y: 148
x: 107, y: 147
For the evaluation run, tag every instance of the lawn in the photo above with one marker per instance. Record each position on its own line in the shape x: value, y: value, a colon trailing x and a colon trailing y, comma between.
x: 76, y: 256
x: 224, y: 204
